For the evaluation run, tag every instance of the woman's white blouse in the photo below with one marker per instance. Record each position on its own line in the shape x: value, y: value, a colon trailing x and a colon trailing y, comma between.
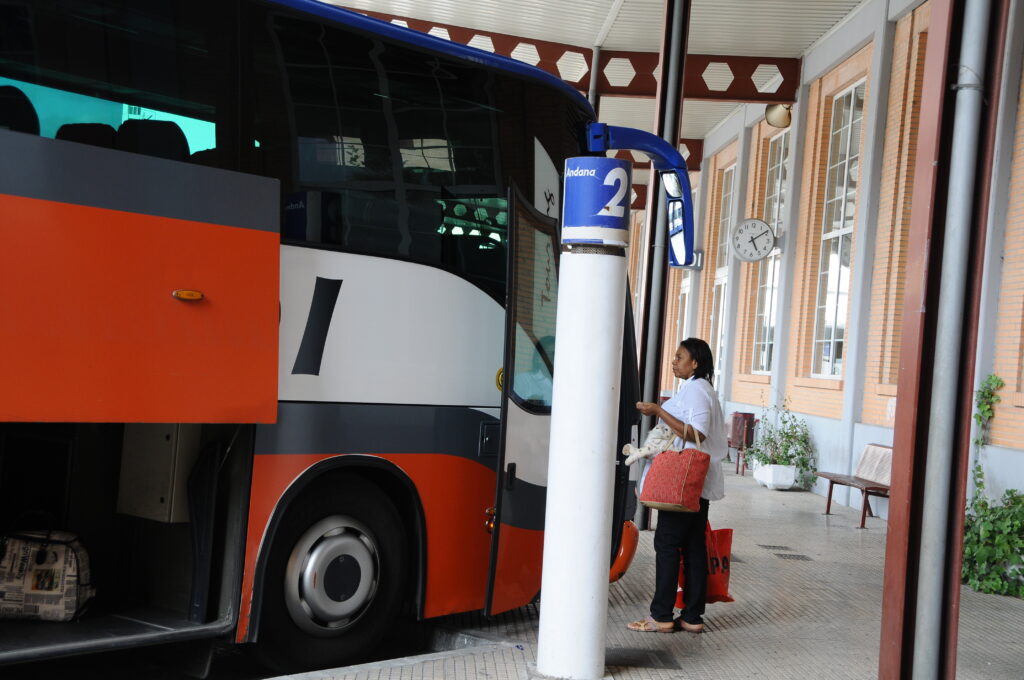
x: 696, y: 403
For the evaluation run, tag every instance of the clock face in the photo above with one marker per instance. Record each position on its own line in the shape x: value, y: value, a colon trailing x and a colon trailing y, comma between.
x: 752, y: 240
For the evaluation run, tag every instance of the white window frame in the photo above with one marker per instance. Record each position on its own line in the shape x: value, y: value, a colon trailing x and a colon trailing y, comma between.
x: 836, y: 299
x: 683, y: 302
x: 763, y: 349
x: 717, y: 339
x: 721, y: 285
x: 725, y: 217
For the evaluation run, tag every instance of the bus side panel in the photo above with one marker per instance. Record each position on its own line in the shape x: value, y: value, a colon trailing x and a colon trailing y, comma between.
x: 399, y: 332
x: 95, y: 334
x: 457, y: 541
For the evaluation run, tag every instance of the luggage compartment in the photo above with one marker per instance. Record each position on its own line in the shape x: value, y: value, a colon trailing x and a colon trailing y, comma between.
x: 157, y: 580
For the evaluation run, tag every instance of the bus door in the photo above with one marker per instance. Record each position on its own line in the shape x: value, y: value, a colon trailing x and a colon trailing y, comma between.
x: 146, y: 288
x: 518, y: 537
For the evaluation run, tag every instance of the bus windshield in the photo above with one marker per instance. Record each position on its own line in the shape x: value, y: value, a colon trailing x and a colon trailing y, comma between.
x: 394, y: 152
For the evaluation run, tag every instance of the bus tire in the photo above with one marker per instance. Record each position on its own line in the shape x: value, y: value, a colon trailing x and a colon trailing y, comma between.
x: 336, y: 578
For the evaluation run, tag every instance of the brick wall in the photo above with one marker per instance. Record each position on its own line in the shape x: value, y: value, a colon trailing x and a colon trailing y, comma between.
x: 637, y: 226
x: 748, y: 387
x: 712, y: 213
x: 817, y: 396
x: 670, y: 329
x: 1008, y: 423
x: 897, y: 181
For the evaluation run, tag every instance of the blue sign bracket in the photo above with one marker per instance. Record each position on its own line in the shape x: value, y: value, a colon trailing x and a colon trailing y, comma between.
x: 675, y: 180
x: 602, y: 137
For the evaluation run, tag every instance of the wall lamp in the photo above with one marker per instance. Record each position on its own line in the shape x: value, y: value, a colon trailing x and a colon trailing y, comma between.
x: 779, y: 115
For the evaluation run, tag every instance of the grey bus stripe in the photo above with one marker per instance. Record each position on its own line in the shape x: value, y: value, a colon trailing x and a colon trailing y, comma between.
x: 68, y: 172
x: 331, y: 428
x: 314, y: 338
x: 318, y: 427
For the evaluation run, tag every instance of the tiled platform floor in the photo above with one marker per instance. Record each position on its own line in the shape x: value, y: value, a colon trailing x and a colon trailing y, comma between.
x: 808, y: 590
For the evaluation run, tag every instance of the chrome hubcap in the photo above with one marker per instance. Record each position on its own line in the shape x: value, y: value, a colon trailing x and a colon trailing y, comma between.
x: 331, y: 576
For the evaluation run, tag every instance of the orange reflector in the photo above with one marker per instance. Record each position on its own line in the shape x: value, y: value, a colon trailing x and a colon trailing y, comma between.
x: 189, y: 295
x: 627, y: 549
x: 489, y: 522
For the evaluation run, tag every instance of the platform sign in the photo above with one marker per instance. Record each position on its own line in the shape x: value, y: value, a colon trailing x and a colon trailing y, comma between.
x: 598, y: 192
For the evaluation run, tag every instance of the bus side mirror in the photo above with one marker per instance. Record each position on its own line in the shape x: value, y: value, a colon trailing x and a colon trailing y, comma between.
x: 671, y: 183
x: 679, y: 206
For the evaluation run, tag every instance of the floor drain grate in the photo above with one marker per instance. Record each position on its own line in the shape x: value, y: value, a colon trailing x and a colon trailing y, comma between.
x: 635, y: 657
x: 774, y: 547
x: 793, y: 557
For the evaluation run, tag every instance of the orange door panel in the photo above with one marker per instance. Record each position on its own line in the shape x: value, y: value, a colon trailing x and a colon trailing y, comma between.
x: 92, y: 332
x: 96, y: 241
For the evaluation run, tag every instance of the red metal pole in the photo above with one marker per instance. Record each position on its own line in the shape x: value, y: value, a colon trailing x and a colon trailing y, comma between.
x: 916, y: 354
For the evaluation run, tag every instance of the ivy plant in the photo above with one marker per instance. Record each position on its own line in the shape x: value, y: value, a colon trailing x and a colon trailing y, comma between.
x: 786, y: 443
x: 993, y: 532
x: 994, y: 542
x: 985, y: 400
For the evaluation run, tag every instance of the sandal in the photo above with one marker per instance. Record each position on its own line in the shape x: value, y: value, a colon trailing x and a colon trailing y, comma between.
x: 679, y: 624
x: 649, y: 625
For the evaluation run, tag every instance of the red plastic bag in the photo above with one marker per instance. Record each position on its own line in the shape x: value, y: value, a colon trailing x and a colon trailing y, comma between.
x: 676, y: 480
x: 719, y: 544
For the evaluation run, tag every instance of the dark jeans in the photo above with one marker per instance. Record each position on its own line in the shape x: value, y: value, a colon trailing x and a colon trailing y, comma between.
x: 680, y: 534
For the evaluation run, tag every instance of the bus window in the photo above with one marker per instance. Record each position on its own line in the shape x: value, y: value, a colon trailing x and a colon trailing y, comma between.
x: 533, y: 378
x: 534, y: 305
x: 391, y: 152
x: 65, y: 115
x: 155, y: 89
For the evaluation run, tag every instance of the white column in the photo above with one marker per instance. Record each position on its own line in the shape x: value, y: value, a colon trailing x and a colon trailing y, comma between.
x: 584, y: 418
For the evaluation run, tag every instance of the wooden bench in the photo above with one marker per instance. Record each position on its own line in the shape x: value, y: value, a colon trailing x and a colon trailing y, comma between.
x: 871, y: 477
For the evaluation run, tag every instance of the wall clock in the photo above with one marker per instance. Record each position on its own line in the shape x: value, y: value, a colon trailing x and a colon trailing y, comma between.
x: 752, y: 240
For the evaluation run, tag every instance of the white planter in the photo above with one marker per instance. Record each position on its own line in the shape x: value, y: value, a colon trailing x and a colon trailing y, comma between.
x: 776, y: 476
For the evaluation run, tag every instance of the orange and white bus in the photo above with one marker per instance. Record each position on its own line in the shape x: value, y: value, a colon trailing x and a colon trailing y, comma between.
x: 265, y: 265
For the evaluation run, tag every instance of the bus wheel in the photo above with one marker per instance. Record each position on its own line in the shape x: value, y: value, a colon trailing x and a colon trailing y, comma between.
x: 336, y: 578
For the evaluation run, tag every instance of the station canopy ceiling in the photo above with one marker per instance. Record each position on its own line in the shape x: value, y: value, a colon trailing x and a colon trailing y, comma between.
x: 559, y: 36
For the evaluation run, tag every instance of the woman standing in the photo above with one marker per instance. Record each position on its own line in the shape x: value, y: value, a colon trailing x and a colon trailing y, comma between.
x: 695, y: 415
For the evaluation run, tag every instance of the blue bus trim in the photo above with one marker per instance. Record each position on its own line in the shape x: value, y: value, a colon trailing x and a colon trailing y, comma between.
x: 432, y: 43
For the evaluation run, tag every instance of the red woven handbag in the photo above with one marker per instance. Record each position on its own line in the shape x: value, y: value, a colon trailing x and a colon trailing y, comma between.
x: 676, y: 480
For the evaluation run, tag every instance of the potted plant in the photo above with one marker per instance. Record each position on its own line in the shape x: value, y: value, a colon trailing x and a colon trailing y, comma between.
x: 782, y: 454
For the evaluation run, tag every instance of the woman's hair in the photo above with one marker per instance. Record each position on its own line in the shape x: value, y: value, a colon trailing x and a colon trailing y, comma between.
x: 701, y: 353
